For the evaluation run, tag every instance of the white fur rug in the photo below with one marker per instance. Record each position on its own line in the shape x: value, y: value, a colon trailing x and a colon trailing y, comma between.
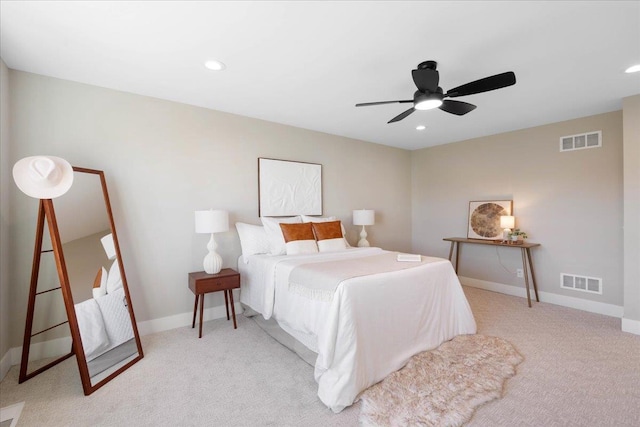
x: 442, y: 387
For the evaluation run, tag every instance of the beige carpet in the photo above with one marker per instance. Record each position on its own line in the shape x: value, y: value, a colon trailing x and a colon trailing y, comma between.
x: 579, y: 370
x: 442, y: 387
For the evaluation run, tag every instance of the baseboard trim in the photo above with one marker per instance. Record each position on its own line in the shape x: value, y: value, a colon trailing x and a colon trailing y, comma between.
x: 563, y: 300
x: 183, y: 319
x: 631, y: 326
x: 61, y: 346
x: 5, y: 364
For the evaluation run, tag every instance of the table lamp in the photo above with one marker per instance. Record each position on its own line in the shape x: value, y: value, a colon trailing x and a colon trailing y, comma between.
x: 507, y: 222
x: 109, y: 247
x: 212, y: 221
x: 363, y: 217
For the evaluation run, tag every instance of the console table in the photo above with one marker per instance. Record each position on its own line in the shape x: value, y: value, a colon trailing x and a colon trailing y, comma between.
x: 525, y: 250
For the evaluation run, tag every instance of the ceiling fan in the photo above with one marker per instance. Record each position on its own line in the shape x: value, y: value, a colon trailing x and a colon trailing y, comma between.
x: 429, y: 95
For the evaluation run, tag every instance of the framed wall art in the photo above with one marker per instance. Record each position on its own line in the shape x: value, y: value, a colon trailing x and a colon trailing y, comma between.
x: 287, y: 188
x: 484, y: 218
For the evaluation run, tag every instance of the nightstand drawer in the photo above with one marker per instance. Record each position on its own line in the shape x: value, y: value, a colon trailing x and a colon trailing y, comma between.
x: 215, y: 284
x: 202, y: 283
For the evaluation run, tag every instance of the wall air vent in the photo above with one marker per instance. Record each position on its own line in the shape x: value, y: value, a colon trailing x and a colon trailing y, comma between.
x: 592, y: 285
x: 581, y: 141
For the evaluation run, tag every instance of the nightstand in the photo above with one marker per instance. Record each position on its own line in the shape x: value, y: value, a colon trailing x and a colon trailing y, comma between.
x: 202, y: 283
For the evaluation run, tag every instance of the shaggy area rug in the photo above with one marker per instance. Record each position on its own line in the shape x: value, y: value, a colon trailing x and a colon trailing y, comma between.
x: 442, y: 387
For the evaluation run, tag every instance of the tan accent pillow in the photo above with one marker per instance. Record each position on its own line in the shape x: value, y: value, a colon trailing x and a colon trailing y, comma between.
x: 307, y: 218
x: 292, y: 232
x: 327, y: 230
x: 100, y: 283
x: 299, y: 238
x: 98, y: 280
x: 329, y: 236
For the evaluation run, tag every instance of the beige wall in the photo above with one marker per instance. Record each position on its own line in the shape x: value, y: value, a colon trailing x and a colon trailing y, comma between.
x: 631, y: 108
x: 570, y: 202
x: 164, y: 160
x: 6, y: 323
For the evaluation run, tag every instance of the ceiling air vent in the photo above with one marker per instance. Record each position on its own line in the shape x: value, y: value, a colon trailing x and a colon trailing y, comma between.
x: 581, y: 141
x: 592, y: 285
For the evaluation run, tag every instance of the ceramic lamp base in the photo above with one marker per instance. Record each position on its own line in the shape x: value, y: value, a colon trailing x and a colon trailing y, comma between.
x: 363, y: 242
x: 213, y: 261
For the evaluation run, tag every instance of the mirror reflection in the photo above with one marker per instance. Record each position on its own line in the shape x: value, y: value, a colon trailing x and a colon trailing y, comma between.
x: 95, y: 277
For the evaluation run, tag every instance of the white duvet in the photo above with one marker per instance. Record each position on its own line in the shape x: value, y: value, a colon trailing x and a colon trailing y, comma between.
x: 372, y: 325
x: 104, y: 323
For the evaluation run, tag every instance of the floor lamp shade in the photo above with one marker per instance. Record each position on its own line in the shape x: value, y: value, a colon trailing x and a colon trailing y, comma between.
x: 212, y: 221
x: 363, y: 217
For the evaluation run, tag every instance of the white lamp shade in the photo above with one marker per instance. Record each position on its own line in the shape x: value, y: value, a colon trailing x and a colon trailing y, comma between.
x: 364, y: 217
x: 109, y: 247
x: 212, y: 221
x: 507, y: 221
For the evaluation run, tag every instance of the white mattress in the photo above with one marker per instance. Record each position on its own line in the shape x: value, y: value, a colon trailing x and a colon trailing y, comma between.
x: 373, y: 324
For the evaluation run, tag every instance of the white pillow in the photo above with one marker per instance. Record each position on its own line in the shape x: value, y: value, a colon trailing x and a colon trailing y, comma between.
x: 102, y: 289
x: 114, y: 281
x: 329, y: 245
x: 307, y: 218
x: 274, y: 232
x: 253, y: 240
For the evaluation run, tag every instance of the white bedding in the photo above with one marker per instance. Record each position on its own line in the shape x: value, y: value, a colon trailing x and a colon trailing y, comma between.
x: 373, y: 324
x: 104, y: 323
x: 92, y: 330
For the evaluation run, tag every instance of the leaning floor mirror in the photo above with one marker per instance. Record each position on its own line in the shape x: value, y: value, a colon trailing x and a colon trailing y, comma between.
x: 92, y: 278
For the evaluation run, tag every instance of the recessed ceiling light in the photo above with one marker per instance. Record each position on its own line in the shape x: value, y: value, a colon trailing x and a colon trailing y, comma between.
x: 421, y: 127
x: 214, y: 65
x: 633, y: 69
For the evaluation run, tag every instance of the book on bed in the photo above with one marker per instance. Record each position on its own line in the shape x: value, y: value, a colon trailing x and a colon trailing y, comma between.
x: 409, y: 258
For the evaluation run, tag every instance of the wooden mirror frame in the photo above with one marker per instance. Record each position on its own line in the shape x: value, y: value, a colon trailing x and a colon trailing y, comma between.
x: 47, y: 211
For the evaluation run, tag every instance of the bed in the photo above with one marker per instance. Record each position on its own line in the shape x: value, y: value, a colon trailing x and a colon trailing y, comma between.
x: 105, y: 324
x: 360, y: 310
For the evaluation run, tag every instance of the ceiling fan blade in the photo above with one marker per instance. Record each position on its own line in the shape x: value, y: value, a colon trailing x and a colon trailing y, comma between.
x: 484, y: 85
x: 402, y: 115
x: 458, y: 108
x: 426, y: 79
x: 366, y: 104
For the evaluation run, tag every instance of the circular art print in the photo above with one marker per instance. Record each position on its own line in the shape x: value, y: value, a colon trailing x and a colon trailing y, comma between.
x: 484, y: 219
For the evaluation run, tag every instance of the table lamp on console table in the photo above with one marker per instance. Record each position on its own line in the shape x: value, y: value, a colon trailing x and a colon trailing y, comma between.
x: 507, y: 222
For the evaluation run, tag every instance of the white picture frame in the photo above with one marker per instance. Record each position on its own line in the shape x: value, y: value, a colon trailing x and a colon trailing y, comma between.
x: 288, y: 188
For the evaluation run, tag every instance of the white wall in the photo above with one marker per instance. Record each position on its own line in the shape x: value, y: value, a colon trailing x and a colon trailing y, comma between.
x: 631, y: 108
x: 6, y: 320
x: 569, y: 202
x: 164, y: 160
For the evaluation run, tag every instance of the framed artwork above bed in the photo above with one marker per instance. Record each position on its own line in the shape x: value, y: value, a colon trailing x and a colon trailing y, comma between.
x: 288, y: 188
x: 484, y: 218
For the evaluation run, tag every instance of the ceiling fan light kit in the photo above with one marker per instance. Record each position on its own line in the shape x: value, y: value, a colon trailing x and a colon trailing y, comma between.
x: 427, y: 101
x: 429, y: 95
